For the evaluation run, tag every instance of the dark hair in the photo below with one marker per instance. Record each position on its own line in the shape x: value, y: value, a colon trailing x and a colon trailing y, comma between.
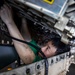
x: 56, y: 41
x: 62, y: 48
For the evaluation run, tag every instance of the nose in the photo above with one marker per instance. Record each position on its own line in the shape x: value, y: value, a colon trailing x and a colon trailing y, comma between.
x: 43, y: 49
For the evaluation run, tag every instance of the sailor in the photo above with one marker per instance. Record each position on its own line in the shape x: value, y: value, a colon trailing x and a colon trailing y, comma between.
x: 51, y: 42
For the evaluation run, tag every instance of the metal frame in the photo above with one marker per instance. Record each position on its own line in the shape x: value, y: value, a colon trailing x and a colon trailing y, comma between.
x: 56, y: 10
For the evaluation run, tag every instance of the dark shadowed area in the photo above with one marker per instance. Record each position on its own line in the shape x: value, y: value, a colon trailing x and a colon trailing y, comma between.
x: 71, y: 70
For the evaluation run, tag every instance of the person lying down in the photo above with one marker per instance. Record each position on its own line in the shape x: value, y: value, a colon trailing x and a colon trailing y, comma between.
x: 51, y: 44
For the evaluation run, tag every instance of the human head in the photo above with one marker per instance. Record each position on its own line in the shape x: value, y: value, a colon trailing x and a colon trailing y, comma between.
x: 52, y: 45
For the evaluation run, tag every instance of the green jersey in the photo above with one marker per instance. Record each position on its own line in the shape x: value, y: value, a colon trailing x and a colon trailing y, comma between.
x: 37, y: 58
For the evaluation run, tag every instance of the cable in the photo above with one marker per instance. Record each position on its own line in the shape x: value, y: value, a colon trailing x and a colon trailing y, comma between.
x: 37, y: 48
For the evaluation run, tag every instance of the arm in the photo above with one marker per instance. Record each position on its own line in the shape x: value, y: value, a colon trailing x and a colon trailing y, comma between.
x: 24, y: 30
x: 24, y: 51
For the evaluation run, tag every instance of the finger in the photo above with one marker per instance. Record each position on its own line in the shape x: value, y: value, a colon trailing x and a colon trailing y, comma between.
x: 6, y: 7
x: 3, y: 9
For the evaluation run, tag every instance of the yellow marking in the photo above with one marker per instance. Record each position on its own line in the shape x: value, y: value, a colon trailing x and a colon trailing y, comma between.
x: 9, y: 69
x: 49, y: 1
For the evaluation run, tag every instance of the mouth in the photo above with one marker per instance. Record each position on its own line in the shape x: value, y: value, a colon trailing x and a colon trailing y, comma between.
x: 40, y: 54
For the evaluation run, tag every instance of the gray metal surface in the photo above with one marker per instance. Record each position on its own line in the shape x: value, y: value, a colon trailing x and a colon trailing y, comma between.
x: 57, y: 64
x: 60, y: 63
x: 54, y: 10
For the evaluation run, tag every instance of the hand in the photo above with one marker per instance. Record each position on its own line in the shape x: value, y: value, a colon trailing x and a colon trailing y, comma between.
x: 6, y: 14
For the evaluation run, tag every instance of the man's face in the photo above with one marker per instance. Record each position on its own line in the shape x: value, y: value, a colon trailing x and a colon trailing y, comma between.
x: 49, y: 49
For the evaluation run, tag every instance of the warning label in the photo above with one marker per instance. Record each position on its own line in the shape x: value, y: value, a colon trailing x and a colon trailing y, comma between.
x: 49, y: 1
